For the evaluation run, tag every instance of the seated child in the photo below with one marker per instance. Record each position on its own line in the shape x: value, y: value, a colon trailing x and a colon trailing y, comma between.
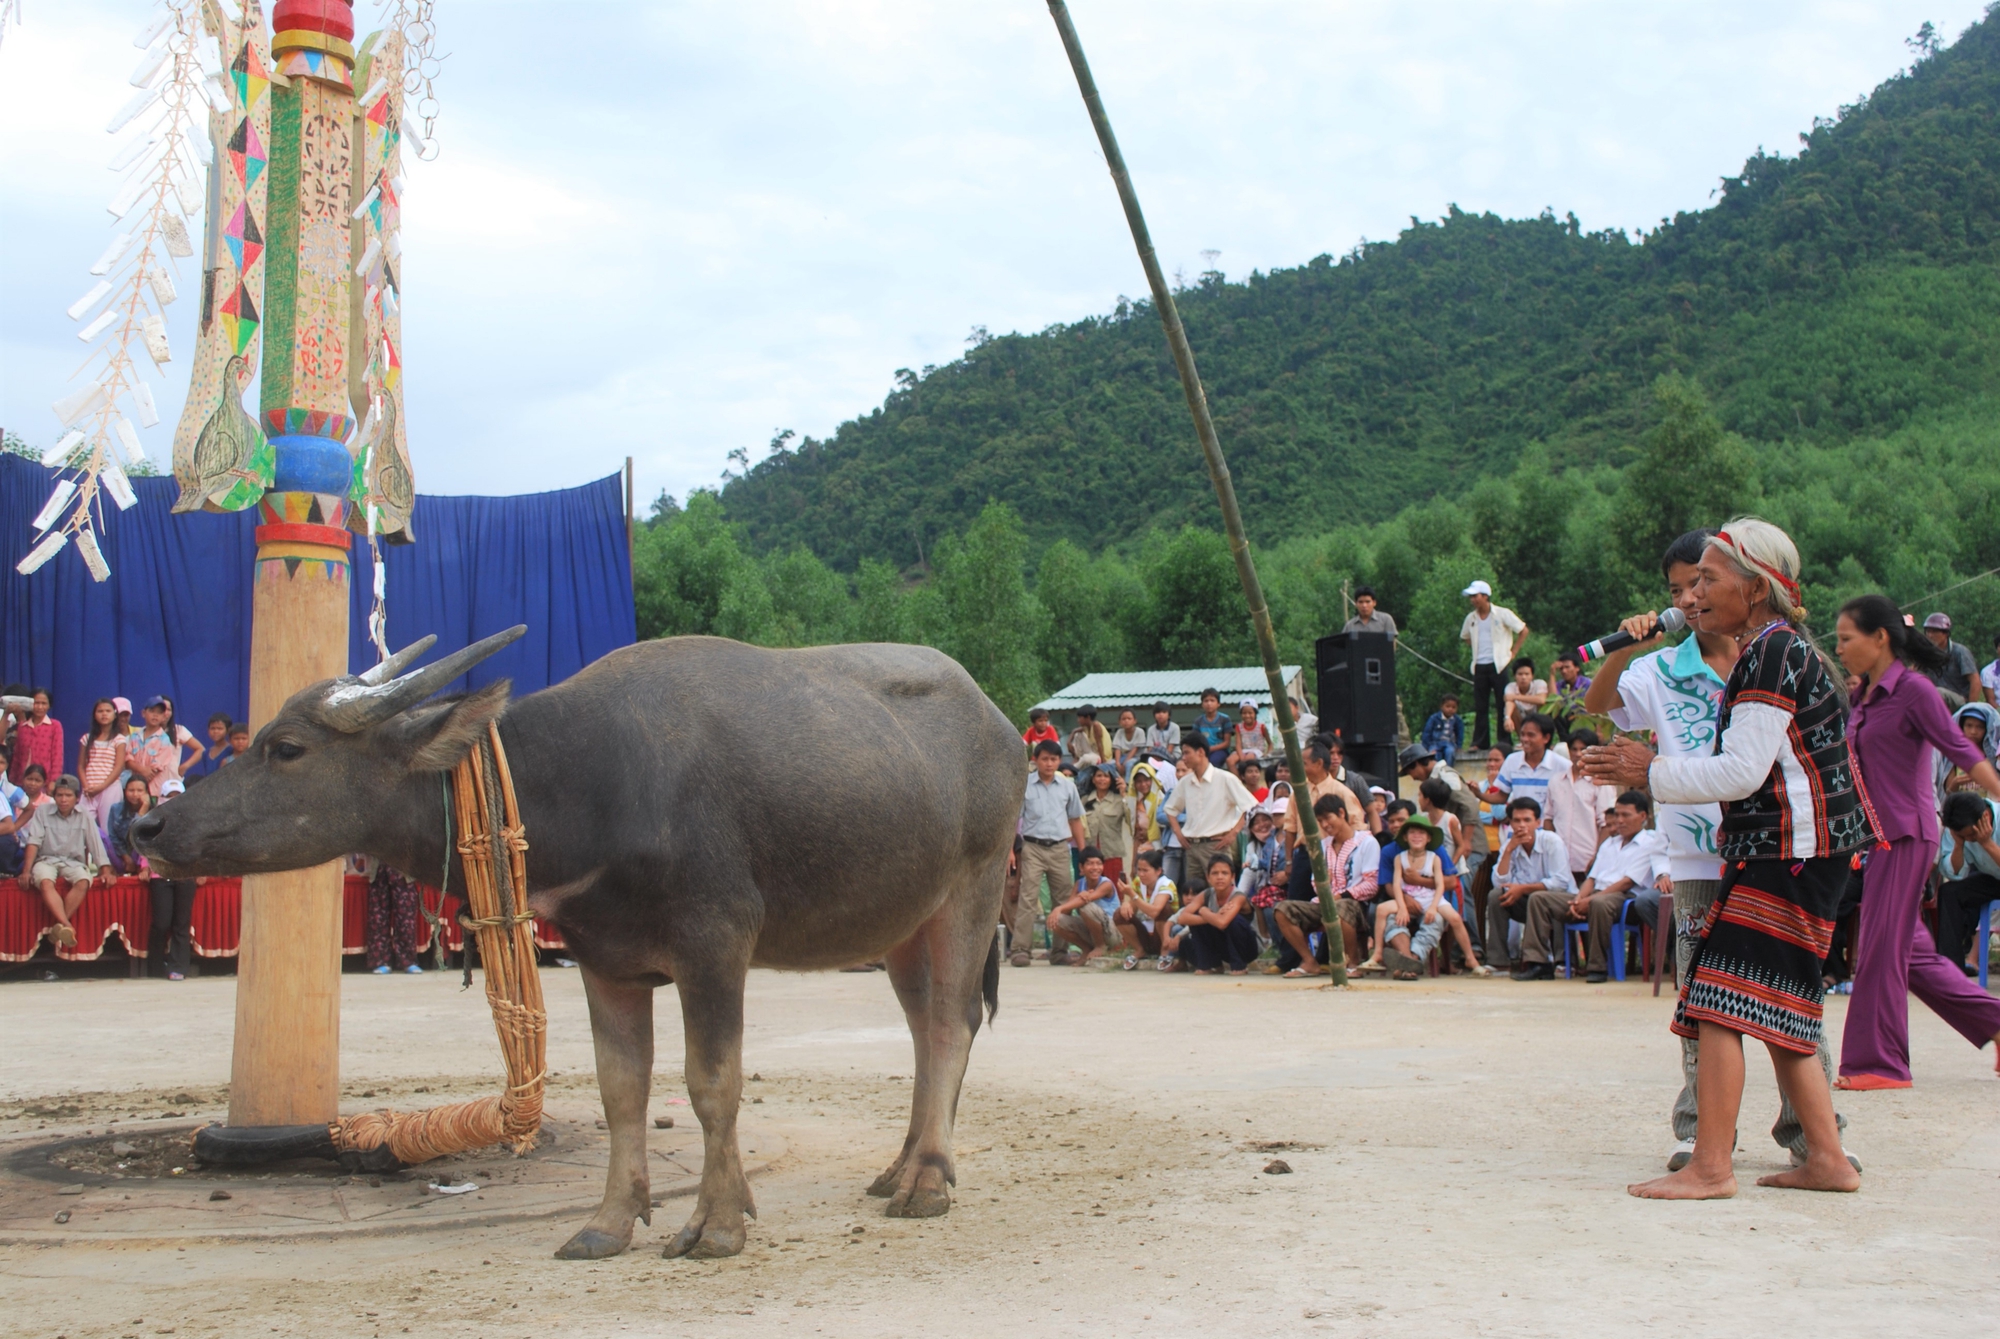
x: 1218, y: 930
x: 1410, y: 924
x: 1084, y: 918
x: 1143, y: 908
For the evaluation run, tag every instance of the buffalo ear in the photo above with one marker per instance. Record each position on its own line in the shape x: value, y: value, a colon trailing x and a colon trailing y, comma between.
x: 438, y: 735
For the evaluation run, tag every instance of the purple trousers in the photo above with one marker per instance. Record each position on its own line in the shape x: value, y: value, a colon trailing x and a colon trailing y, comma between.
x: 1899, y: 958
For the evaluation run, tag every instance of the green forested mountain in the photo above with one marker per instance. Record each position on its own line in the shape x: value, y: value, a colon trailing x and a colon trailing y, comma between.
x: 1837, y: 292
x: 1517, y: 400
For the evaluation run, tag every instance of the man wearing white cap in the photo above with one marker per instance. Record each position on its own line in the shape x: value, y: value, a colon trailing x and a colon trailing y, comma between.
x: 1492, y: 631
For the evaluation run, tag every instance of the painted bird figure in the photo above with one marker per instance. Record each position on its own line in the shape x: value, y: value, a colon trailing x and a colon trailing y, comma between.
x: 227, y: 442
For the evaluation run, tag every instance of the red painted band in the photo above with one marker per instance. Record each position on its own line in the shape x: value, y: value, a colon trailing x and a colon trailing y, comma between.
x: 334, y: 17
x: 298, y: 532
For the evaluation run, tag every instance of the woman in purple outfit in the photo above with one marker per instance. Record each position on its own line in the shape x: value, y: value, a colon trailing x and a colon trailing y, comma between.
x: 1898, y: 718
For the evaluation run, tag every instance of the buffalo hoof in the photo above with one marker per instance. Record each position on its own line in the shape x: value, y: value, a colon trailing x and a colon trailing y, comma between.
x: 885, y: 1185
x: 591, y: 1244
x: 926, y: 1195
x: 710, y: 1241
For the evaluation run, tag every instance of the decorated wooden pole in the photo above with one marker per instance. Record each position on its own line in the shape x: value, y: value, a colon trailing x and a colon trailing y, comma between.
x: 277, y: 282
x: 286, y: 1066
x: 1218, y: 469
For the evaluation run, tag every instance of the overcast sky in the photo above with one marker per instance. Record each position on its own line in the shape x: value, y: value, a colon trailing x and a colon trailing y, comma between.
x: 667, y: 230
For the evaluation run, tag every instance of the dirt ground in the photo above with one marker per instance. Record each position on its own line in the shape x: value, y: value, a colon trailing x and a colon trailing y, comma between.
x: 1458, y: 1149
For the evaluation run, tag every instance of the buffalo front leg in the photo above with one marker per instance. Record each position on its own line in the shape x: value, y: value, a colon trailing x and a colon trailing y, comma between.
x: 937, y: 973
x: 621, y: 1030
x: 712, y: 1015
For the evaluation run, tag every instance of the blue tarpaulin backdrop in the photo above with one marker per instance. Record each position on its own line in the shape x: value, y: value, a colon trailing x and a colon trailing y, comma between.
x: 175, y: 616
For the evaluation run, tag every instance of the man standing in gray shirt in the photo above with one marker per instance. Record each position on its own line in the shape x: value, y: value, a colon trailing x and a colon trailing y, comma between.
x: 1051, y: 824
x: 1367, y: 618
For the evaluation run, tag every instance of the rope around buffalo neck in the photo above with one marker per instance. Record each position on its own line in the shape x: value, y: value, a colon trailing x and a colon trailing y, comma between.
x: 494, y: 850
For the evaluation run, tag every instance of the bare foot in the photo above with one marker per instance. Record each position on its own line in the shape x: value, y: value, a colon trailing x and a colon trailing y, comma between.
x: 1818, y: 1174
x: 1090, y: 956
x: 1687, y: 1184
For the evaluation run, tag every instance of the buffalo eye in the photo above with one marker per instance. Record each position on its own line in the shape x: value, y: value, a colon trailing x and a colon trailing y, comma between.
x: 286, y: 751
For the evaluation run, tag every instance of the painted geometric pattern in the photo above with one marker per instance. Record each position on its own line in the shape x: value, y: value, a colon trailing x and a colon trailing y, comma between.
x: 306, y: 292
x: 228, y: 339
x: 330, y: 570
x: 292, y: 421
x: 302, y: 509
x: 317, y: 65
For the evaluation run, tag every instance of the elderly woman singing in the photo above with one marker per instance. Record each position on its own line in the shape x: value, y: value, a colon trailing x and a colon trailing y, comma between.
x: 1794, y: 817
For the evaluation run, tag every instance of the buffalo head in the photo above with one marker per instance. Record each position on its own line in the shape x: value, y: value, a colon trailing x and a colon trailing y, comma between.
x: 317, y: 780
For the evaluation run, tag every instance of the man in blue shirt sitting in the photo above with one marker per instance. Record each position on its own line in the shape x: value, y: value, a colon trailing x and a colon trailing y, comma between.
x: 1969, y: 863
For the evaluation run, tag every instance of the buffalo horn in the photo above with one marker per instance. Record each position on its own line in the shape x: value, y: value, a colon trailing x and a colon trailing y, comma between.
x: 397, y: 663
x: 355, y: 704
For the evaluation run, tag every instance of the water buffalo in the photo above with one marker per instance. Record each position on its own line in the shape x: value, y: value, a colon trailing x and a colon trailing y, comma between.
x: 694, y: 807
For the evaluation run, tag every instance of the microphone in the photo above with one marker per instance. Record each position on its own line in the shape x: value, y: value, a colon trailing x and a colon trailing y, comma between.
x: 1673, y: 620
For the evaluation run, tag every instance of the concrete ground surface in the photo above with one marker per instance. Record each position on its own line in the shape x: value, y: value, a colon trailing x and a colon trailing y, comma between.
x: 1459, y: 1151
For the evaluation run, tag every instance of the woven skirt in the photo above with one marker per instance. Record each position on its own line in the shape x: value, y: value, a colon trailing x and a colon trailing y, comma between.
x: 1756, y: 968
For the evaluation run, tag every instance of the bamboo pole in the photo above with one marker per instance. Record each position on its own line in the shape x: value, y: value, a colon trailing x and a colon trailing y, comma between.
x: 1218, y: 474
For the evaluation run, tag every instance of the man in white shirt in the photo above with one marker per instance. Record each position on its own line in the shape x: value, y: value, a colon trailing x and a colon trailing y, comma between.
x: 1676, y: 692
x: 1492, y: 631
x: 1579, y: 809
x: 1207, y: 808
x: 1533, y: 861
x: 1631, y: 861
x: 1526, y: 774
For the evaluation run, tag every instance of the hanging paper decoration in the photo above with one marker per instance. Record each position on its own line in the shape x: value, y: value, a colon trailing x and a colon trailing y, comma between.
x: 124, y: 308
x: 221, y: 460
x: 384, y: 489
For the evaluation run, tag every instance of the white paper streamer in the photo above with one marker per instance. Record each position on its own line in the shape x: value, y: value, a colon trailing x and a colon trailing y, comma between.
x: 393, y: 244
x: 162, y: 285
x: 142, y: 396
x: 375, y: 90
x: 417, y: 144
x: 88, y: 300
x: 190, y: 191
x: 60, y: 452
x: 217, y: 95
x: 42, y: 552
x: 149, y: 65
x: 128, y: 437
x: 46, y: 517
x: 204, y: 149
x: 369, y: 255
x: 374, y: 192
x: 154, y: 329
x: 128, y: 195
x: 86, y: 544
x: 176, y: 235
x: 139, y: 102
x: 151, y: 32
x: 126, y: 156
x: 119, y: 246
x: 99, y: 326
x: 120, y: 487
x: 73, y: 407
x: 209, y: 58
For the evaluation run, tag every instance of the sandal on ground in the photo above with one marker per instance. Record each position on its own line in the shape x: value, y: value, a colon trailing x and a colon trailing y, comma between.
x: 1399, y: 962
x: 1131, y: 963
x: 1300, y: 974
x: 63, y: 936
x: 1168, y: 962
x: 1868, y: 1083
x: 1367, y: 969
x: 1480, y: 969
x: 1401, y: 974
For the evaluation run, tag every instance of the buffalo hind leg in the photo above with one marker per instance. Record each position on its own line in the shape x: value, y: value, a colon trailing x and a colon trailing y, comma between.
x: 621, y: 1032
x: 712, y: 1014
x: 937, y: 973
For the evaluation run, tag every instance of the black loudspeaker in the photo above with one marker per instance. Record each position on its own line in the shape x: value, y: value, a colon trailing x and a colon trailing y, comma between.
x: 1357, y: 697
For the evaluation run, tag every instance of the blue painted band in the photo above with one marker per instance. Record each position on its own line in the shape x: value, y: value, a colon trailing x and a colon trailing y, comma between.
x: 312, y: 465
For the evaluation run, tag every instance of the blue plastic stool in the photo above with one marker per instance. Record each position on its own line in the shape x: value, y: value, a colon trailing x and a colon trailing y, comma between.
x: 1621, y: 930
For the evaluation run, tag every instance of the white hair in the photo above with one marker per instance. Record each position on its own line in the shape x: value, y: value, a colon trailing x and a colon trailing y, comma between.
x: 1760, y: 551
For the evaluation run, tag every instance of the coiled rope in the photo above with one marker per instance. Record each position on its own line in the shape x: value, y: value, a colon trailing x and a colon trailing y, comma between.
x: 493, y: 846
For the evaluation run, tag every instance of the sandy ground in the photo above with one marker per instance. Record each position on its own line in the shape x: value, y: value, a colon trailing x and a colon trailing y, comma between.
x: 1459, y: 1149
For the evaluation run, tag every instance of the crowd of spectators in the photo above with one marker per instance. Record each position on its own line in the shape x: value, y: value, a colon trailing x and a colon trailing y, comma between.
x: 67, y: 831
x: 1177, y: 843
